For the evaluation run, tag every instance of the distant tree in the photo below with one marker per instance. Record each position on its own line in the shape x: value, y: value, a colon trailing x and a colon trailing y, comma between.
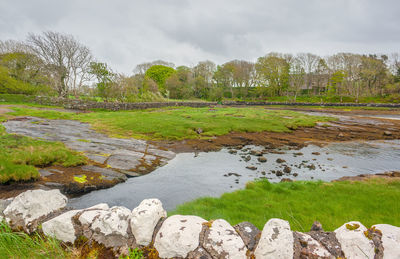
x: 273, y: 72
x: 104, y: 77
x: 159, y: 74
x: 65, y: 56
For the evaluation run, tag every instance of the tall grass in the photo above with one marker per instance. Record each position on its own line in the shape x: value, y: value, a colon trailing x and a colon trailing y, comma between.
x: 20, y: 245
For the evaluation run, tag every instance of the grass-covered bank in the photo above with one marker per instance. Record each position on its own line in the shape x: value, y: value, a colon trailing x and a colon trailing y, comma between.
x: 183, y: 122
x: 19, y: 155
x: 301, y: 203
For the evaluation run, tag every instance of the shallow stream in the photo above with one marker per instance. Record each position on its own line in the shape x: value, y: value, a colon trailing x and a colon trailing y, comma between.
x: 189, y: 176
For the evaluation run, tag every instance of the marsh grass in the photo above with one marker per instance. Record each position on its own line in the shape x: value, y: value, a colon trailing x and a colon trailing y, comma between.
x: 177, y: 123
x: 301, y: 203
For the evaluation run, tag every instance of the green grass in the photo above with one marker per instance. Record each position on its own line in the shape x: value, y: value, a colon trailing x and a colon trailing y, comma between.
x: 20, y: 245
x: 19, y: 155
x: 301, y: 203
x: 183, y: 122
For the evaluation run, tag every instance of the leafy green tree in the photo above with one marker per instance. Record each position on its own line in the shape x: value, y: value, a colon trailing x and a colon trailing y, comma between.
x: 335, y: 83
x: 159, y: 74
x: 273, y: 73
x: 104, y: 77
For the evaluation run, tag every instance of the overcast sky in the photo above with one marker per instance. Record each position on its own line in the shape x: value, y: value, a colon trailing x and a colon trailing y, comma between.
x: 124, y: 33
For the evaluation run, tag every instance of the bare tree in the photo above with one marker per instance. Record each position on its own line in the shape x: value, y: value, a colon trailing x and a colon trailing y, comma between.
x: 67, y: 58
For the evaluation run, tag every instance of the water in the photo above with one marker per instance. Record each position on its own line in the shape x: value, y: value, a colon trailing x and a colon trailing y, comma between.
x: 190, y: 176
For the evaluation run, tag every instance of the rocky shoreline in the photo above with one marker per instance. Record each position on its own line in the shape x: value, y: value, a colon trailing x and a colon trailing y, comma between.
x: 147, y: 227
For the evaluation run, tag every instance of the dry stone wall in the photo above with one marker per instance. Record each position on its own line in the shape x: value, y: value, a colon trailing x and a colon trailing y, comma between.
x: 115, y: 106
x: 180, y: 236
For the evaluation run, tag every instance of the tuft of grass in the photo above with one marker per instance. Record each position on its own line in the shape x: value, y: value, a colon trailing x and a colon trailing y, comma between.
x: 20, y: 245
x: 301, y: 203
x: 178, y: 123
x: 19, y: 155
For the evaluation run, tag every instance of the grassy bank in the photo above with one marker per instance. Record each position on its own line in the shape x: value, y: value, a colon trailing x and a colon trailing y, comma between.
x: 301, y: 203
x: 19, y: 155
x: 183, y: 122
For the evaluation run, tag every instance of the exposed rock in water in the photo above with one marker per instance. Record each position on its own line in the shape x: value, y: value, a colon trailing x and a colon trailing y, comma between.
x: 316, y: 153
x: 256, y: 153
x: 251, y: 167
x: 286, y: 180
x: 262, y: 159
x: 280, y: 160
x: 287, y: 170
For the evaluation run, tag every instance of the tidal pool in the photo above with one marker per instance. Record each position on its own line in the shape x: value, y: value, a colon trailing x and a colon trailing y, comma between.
x: 189, y: 176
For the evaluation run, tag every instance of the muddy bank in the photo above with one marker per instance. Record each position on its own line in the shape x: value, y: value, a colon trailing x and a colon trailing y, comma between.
x: 391, y: 176
x: 346, y: 128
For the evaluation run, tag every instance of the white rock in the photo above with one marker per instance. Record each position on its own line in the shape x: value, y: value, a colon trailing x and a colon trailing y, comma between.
x: 144, y: 219
x: 87, y: 216
x: 223, y: 241
x: 390, y: 240
x: 178, y: 236
x: 61, y: 227
x: 276, y: 240
x: 354, y: 243
x: 317, y: 250
x: 113, y: 221
x: 30, y: 206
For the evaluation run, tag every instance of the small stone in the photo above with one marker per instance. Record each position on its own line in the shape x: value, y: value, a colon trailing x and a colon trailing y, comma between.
x: 251, y: 167
x: 316, y: 226
x: 316, y: 153
x: 340, y: 135
x: 247, y: 158
x: 262, y: 159
x: 287, y: 170
x: 279, y: 161
x: 232, y: 151
x: 278, y: 173
x: 286, y: 180
x: 256, y: 153
x: 295, y: 174
x: 199, y: 130
x: 387, y: 133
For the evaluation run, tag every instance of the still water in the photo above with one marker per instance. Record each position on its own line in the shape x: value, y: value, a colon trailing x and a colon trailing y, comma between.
x: 190, y: 176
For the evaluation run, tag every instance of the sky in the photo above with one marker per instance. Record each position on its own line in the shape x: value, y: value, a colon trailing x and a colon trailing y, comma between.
x: 124, y: 33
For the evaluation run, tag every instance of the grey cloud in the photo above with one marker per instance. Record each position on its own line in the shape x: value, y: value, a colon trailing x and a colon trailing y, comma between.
x: 124, y: 33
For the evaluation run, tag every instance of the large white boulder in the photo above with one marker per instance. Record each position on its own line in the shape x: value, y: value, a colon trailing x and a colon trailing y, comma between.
x: 110, y: 227
x: 222, y: 241
x: 276, y: 240
x: 61, y: 227
x: 30, y: 207
x: 178, y: 236
x: 87, y: 216
x: 390, y: 240
x: 144, y: 219
x: 354, y: 242
x: 314, y: 248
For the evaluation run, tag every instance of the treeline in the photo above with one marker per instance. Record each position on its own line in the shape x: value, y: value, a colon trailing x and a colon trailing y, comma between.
x: 56, y: 64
